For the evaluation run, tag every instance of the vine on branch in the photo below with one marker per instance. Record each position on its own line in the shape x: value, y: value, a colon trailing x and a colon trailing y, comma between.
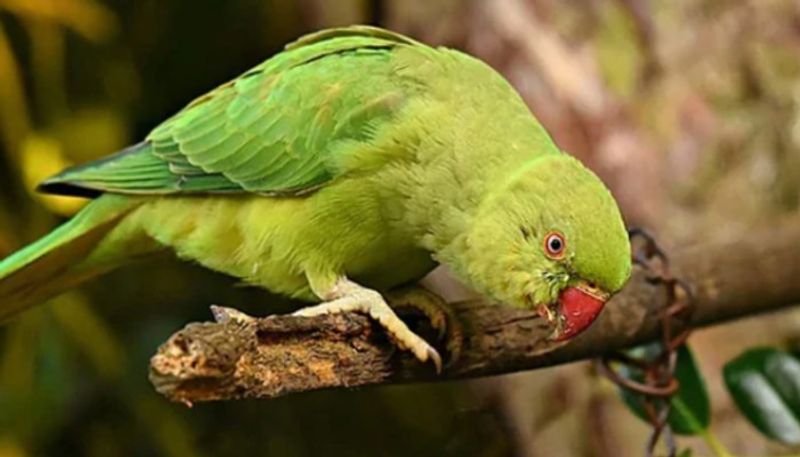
x: 659, y: 383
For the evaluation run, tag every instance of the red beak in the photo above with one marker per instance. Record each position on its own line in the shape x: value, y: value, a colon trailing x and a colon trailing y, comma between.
x: 579, y: 308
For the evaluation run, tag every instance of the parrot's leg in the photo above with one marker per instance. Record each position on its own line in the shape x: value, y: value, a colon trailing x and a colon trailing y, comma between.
x: 347, y: 296
x: 436, y: 310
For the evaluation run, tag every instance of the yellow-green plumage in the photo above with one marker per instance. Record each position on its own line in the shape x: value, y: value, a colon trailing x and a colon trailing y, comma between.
x: 355, y: 153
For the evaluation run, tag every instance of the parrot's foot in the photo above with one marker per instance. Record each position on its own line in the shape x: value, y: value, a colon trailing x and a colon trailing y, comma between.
x: 348, y: 296
x: 435, y: 309
x: 224, y: 314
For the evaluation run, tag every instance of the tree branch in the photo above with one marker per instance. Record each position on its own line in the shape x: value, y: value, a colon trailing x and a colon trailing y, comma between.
x: 273, y: 356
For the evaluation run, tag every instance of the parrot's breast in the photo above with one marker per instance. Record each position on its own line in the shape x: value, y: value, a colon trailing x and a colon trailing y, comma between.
x: 277, y: 243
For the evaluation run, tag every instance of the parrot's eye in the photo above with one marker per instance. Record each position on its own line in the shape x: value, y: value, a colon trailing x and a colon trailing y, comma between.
x: 554, y: 245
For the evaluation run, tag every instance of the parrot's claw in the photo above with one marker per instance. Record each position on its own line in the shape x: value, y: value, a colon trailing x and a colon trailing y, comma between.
x: 436, y: 359
x: 545, y: 312
x: 441, y: 317
x: 350, y: 297
x: 554, y: 319
x: 224, y: 314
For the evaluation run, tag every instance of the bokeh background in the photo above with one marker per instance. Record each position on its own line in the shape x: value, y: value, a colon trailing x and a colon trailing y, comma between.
x: 689, y: 109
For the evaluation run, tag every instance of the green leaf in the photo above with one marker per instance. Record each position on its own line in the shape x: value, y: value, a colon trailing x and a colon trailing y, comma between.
x: 765, y: 384
x: 690, y: 411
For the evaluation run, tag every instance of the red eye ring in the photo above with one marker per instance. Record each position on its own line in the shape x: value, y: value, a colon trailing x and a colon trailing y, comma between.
x: 555, y: 246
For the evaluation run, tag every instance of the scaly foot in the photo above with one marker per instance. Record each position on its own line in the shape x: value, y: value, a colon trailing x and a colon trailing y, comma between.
x: 347, y: 296
x: 223, y: 314
x: 436, y: 310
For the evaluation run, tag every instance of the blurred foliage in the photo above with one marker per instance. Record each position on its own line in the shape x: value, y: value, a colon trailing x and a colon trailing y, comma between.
x: 690, y: 411
x: 690, y: 109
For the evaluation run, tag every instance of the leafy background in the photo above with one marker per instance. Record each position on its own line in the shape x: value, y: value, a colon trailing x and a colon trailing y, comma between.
x: 689, y: 109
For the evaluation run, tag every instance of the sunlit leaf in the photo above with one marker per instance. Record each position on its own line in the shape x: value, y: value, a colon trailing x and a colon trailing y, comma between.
x: 43, y: 157
x: 14, y: 115
x: 89, y: 18
x: 92, y: 132
x: 10, y: 448
x: 765, y: 384
x: 690, y: 411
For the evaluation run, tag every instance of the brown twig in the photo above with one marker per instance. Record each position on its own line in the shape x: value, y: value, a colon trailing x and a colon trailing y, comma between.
x: 278, y: 355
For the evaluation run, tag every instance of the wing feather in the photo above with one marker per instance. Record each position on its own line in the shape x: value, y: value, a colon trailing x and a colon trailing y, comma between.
x: 272, y: 130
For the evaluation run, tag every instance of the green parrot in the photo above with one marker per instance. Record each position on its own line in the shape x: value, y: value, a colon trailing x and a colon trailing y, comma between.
x: 353, y: 162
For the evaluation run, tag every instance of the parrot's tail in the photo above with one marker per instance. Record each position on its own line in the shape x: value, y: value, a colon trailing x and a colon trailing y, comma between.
x: 67, y: 256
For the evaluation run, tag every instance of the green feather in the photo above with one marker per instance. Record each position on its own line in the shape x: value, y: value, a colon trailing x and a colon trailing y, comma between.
x: 271, y: 131
x: 54, y: 262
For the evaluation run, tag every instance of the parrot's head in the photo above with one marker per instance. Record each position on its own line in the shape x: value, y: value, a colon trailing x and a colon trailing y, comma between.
x: 551, y: 239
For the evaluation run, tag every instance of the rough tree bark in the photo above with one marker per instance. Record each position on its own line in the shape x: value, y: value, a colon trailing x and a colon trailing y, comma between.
x: 273, y: 356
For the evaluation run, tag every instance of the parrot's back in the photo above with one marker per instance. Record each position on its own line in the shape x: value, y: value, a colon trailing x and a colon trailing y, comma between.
x: 340, y: 120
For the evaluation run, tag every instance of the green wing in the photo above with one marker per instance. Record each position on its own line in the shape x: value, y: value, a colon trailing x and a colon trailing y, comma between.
x: 276, y: 129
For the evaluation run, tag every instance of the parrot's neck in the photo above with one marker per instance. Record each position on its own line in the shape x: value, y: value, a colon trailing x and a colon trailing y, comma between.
x: 446, y: 196
x: 461, y: 159
x: 474, y: 229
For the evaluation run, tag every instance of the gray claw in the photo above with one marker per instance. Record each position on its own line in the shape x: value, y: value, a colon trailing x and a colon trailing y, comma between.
x: 224, y: 314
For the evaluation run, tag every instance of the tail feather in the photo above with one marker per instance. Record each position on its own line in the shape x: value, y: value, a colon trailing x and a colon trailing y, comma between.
x: 56, y: 262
